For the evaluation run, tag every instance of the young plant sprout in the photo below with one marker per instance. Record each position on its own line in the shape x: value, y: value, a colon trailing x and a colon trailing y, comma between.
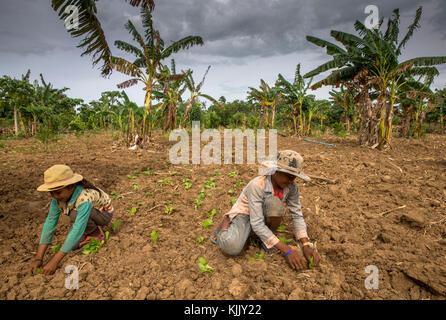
x: 203, y: 265
x: 154, y: 236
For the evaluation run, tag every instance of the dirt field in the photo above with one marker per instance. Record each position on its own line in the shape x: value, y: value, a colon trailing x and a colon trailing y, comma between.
x: 385, y: 209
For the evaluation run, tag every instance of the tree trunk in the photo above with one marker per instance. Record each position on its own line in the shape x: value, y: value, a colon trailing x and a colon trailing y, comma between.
x: 16, y: 127
x: 189, y: 105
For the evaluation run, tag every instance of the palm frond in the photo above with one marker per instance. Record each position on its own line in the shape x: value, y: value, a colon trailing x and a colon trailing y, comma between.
x: 415, y: 25
x: 184, y: 43
x: 332, y: 49
x: 149, y: 4
x: 127, y: 84
x: 124, y: 66
x: 127, y: 47
x: 94, y: 41
x: 335, y: 63
x: 427, y: 61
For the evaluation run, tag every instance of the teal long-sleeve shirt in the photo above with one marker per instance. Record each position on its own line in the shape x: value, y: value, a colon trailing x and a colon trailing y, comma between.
x: 83, y: 214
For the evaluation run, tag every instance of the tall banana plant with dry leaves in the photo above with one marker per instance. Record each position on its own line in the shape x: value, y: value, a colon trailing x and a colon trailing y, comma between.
x: 147, y: 68
x: 94, y: 41
x: 368, y: 62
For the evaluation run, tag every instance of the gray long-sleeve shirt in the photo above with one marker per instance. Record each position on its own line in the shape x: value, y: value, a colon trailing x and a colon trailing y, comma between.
x: 250, y: 202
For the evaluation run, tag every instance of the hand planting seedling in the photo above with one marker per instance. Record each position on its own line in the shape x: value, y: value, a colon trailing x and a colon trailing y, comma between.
x: 132, y: 211
x: 203, y: 265
x: 56, y: 248
x: 154, y: 236
x: 116, y: 225
x: 200, y: 239
x: 135, y: 186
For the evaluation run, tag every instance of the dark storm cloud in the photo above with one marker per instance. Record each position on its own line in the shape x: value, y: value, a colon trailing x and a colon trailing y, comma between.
x: 263, y: 27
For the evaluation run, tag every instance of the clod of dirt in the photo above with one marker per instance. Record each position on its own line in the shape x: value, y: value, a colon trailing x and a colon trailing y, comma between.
x: 237, y: 289
x: 413, y: 219
x: 297, y: 294
x: 237, y: 270
x: 184, y: 289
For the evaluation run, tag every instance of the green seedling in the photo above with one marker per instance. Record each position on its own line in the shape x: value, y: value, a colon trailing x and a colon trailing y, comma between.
x: 209, y: 183
x: 252, y: 259
x: 136, y: 172
x: 38, y: 270
x: 233, y: 201
x: 107, y: 234
x: 203, y: 265
x: 174, y: 173
x: 166, y: 164
x: 168, y: 210
x: 206, y: 223
x: 92, y: 246
x: 116, y: 225
x: 167, y: 180
x: 168, y: 202
x: 132, y: 211
x: 148, y: 194
x: 281, y: 228
x: 260, y: 256
x: 148, y: 172
x: 282, y: 239
x: 130, y: 176
x: 238, y: 183
x: 216, y: 173
x: 232, y: 174
x: 154, y: 236
x: 200, y: 239
x: 230, y: 191
x: 310, y: 263
x: 211, y: 213
x: 135, y: 186
x: 198, y: 203
x: 56, y: 248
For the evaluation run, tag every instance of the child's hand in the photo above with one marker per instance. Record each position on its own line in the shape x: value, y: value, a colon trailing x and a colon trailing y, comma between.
x: 49, y: 268
x: 36, y: 264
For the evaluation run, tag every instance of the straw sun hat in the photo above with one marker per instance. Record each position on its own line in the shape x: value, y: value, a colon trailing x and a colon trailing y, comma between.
x: 288, y: 161
x: 57, y: 177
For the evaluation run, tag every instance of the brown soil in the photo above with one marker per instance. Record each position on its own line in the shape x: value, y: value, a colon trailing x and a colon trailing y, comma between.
x: 385, y: 208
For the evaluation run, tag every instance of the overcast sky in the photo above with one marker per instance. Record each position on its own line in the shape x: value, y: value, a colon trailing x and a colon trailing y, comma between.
x: 244, y: 40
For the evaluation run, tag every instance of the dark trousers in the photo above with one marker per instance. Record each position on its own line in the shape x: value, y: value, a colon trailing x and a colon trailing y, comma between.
x: 97, y: 218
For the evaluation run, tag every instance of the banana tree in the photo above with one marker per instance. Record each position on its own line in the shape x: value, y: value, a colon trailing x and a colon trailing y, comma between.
x: 371, y: 61
x: 195, y: 92
x: 295, y: 94
x: 89, y: 27
x: 147, y: 66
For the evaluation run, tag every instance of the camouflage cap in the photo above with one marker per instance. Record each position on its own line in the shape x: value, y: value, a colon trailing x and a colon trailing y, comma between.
x: 288, y: 161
